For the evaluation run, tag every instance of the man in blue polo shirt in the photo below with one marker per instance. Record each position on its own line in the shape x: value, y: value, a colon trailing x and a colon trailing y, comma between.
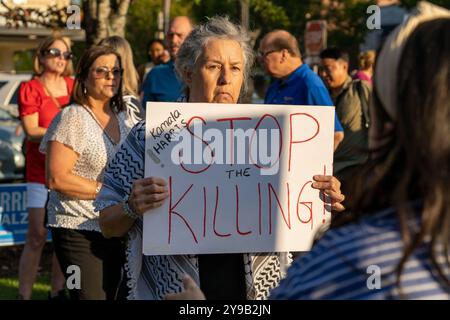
x: 296, y: 83
x: 162, y: 83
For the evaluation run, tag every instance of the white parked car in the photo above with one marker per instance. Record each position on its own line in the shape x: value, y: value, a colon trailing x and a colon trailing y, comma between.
x: 9, y: 91
x: 12, y: 159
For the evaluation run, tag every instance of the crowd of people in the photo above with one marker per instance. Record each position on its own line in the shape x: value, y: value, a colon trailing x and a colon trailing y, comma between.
x: 388, y: 188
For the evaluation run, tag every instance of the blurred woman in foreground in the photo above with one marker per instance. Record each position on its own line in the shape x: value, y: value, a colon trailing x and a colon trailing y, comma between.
x: 395, y: 243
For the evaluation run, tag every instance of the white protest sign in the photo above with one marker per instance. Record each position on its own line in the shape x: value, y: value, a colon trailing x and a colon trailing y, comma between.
x: 239, y: 176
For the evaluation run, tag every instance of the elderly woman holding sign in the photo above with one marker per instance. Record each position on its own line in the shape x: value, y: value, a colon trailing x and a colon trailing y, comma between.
x: 214, y: 62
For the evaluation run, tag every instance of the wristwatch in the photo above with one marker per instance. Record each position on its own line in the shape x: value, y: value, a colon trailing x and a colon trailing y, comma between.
x: 128, y: 211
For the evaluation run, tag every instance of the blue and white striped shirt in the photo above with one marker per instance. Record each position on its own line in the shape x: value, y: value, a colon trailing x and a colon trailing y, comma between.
x: 346, y: 262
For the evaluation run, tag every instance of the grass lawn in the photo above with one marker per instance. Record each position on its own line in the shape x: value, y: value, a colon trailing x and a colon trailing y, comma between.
x: 10, y: 286
x: 9, y: 282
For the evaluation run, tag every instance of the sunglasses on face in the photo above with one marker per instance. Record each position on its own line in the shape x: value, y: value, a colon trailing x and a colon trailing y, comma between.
x: 55, y: 53
x: 103, y: 72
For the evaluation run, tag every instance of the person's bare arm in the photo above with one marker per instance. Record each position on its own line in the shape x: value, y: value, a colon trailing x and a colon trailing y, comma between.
x: 60, y: 161
x: 146, y: 194
x: 338, y: 137
x: 114, y: 222
x: 31, y: 126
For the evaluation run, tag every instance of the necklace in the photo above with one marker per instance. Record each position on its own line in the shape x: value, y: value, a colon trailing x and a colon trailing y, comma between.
x: 49, y: 93
x: 100, y: 125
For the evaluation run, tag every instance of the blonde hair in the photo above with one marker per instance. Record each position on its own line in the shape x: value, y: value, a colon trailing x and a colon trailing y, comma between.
x: 366, y: 59
x: 44, y: 45
x: 130, y: 76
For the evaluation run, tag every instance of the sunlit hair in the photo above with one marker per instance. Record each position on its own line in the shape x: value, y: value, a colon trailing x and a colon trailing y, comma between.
x: 411, y: 160
x: 215, y: 28
x: 335, y: 54
x: 84, y: 67
x: 44, y: 45
x: 130, y: 76
x: 366, y: 59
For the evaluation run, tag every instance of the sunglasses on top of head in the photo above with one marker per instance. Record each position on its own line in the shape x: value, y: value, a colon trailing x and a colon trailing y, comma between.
x: 55, y: 53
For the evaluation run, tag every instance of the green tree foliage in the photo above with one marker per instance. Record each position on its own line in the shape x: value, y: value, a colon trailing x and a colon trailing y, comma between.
x: 202, y: 9
x: 264, y: 14
x: 346, y: 25
x: 142, y: 26
x: 23, y: 61
x: 346, y: 18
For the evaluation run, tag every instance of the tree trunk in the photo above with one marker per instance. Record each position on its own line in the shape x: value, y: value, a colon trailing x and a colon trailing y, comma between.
x: 119, y: 19
x: 103, y: 16
x: 101, y: 21
x: 89, y: 22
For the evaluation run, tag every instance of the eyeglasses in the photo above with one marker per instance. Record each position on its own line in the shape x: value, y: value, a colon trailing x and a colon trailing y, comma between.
x: 262, y: 55
x: 324, y: 69
x: 55, y: 53
x: 102, y: 72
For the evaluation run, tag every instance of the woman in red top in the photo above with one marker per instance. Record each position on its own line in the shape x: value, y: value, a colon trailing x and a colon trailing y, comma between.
x: 40, y: 99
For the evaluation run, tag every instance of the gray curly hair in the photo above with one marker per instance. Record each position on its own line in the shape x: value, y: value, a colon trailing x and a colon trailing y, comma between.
x: 216, y: 27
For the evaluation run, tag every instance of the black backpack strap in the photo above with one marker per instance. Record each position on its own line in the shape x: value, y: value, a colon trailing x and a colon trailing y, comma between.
x: 364, y: 103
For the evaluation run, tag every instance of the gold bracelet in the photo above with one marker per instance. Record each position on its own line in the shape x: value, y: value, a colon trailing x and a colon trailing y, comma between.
x: 97, y: 189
